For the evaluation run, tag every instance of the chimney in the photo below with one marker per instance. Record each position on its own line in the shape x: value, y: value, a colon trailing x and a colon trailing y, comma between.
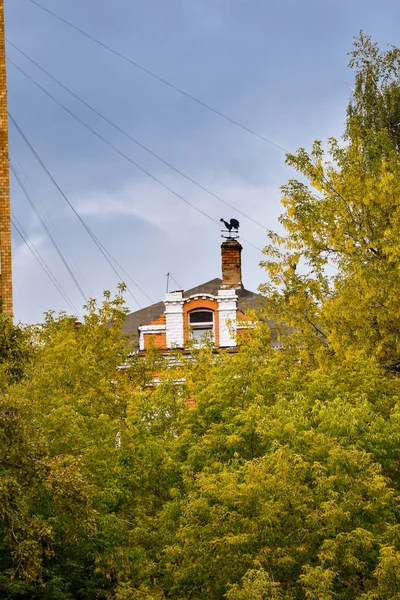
x: 231, y: 264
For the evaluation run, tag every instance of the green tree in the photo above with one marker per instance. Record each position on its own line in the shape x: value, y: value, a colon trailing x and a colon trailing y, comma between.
x: 59, y: 440
x: 265, y: 474
x: 16, y: 350
x: 375, y: 103
x: 342, y: 222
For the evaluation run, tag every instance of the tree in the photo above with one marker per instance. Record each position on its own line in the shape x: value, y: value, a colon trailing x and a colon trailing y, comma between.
x: 245, y: 476
x: 59, y: 438
x: 342, y: 221
x: 266, y: 474
x: 376, y: 97
x: 16, y: 350
x: 343, y: 229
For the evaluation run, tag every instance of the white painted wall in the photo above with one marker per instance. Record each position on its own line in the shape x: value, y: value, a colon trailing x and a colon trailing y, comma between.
x: 174, y: 319
x: 227, y: 307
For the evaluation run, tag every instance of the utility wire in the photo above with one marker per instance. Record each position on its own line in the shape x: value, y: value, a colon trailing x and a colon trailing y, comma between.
x: 30, y: 245
x: 177, y: 89
x: 45, y: 226
x: 171, y: 85
x: 177, y: 283
x: 47, y: 217
x: 134, y: 140
x: 130, y: 160
x: 35, y: 252
x: 125, y: 272
x: 158, y: 77
x: 169, y: 276
x: 99, y: 245
x: 109, y: 143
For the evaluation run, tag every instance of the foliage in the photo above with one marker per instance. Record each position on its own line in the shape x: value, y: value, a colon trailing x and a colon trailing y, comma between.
x: 265, y: 474
x: 15, y: 350
x: 256, y: 477
x: 376, y: 96
x: 342, y: 221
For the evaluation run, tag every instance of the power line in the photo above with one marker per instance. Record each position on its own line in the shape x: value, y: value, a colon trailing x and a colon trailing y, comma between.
x: 177, y: 283
x: 130, y: 160
x: 125, y: 272
x: 172, y: 86
x: 98, y: 135
x: 99, y: 245
x: 169, y: 276
x: 46, y: 227
x: 159, y: 78
x: 18, y: 166
x: 134, y: 140
x: 28, y: 242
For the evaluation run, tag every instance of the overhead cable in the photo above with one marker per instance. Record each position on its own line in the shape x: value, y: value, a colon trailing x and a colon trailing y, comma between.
x: 172, y: 86
x: 134, y: 140
x: 35, y: 252
x: 109, y: 258
x: 47, y: 216
x: 130, y: 160
x: 47, y: 229
x: 158, y: 77
x: 125, y: 272
x: 177, y: 283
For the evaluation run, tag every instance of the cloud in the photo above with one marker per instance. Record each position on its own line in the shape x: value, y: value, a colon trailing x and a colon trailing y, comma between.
x: 276, y: 67
x: 23, y: 258
x: 148, y: 202
x: 150, y: 233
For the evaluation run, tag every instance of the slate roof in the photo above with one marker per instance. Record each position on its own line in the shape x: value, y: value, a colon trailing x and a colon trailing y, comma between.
x: 146, y: 315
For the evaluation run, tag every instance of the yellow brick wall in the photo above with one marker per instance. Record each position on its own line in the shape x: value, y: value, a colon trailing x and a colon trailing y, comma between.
x: 5, y: 223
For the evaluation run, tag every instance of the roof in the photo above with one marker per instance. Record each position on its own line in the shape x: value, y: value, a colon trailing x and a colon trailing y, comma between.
x: 146, y: 315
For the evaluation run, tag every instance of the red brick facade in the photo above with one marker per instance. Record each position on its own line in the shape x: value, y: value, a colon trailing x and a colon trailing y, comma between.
x: 158, y: 339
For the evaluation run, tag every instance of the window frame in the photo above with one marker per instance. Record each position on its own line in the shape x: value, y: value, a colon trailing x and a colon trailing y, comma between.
x: 204, y: 326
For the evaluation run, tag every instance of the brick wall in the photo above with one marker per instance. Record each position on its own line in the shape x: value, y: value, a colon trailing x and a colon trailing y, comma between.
x: 5, y: 223
x: 231, y: 251
x: 157, y: 339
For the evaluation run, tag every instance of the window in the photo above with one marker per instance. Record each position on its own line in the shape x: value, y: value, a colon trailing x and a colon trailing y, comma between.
x: 201, y: 325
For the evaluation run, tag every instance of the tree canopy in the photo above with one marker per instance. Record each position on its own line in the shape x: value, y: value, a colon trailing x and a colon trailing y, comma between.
x: 266, y: 474
x: 342, y: 222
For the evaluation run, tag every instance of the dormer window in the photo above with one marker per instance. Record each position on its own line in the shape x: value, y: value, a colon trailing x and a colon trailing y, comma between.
x: 201, y: 325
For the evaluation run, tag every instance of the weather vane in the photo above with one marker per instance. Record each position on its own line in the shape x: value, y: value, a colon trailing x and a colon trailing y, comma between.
x: 231, y: 228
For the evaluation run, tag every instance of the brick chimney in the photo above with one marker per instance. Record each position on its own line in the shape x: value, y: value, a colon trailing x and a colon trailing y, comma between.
x: 231, y: 264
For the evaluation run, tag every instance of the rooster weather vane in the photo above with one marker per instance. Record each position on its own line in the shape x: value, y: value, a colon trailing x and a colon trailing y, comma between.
x: 231, y: 228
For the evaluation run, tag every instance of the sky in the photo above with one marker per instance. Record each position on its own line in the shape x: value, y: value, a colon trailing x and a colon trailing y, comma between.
x: 277, y: 67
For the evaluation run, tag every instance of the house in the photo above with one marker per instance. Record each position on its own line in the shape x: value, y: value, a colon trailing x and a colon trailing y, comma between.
x: 214, y: 310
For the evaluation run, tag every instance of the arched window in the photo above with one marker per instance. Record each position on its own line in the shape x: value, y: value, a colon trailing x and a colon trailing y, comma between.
x: 201, y: 325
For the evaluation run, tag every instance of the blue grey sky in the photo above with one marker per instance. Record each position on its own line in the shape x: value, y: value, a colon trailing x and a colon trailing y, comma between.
x: 277, y: 66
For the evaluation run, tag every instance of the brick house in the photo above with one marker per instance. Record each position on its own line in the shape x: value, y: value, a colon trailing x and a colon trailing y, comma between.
x: 213, y: 310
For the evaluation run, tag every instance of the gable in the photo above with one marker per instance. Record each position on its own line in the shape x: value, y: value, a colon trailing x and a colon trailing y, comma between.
x: 154, y: 314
